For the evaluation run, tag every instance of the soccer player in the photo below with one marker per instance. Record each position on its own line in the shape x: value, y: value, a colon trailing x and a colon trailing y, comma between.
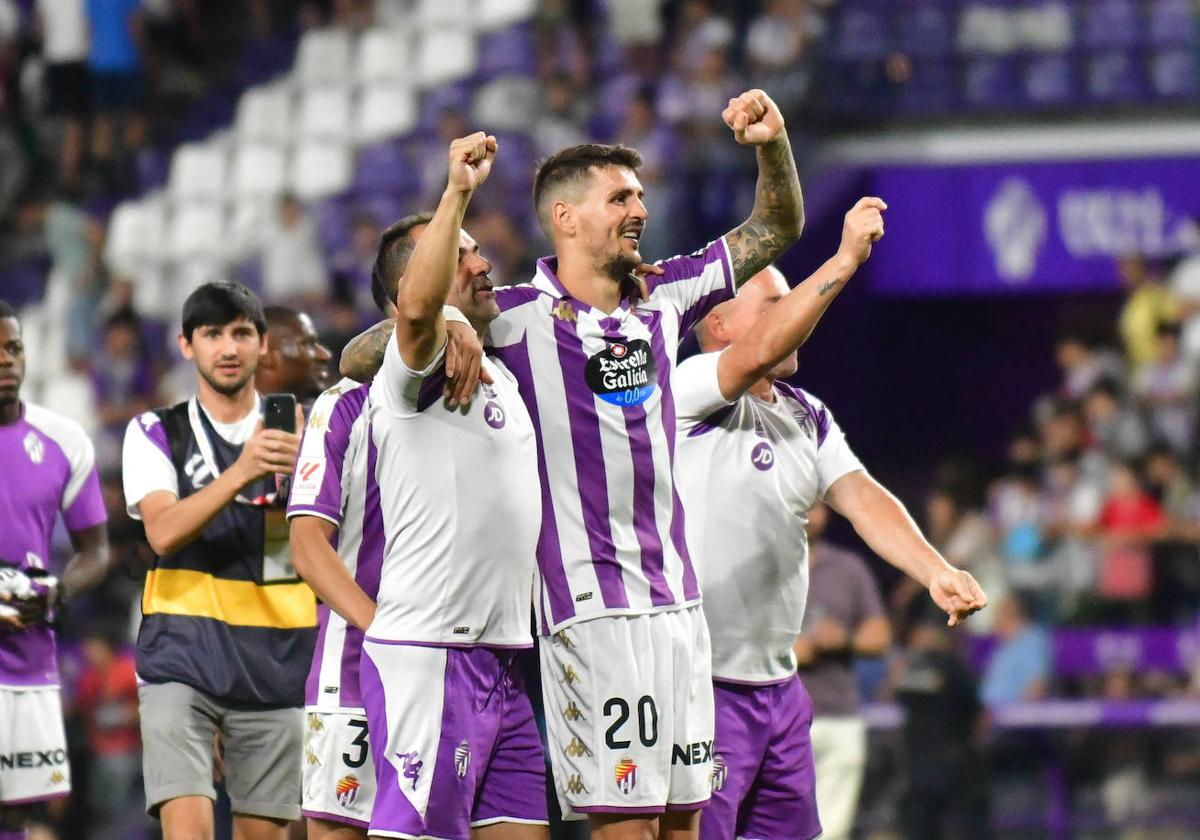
x: 49, y: 466
x: 228, y: 629
x: 447, y: 496
x: 755, y: 455
x: 296, y: 362
x: 625, y: 659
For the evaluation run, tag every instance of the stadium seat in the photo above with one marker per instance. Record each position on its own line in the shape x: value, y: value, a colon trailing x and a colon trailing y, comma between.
x: 929, y: 90
x: 324, y: 56
x: 1110, y: 23
x: 384, y: 55
x: 264, y: 113
x: 136, y: 235
x: 325, y: 112
x: 385, y: 110
x: 860, y: 33
x: 496, y: 14
x: 991, y: 84
x: 70, y: 394
x: 434, y: 15
x: 384, y: 167
x: 1050, y: 80
x: 445, y: 55
x: 507, y: 51
x: 259, y: 171
x: 393, y: 13
x: 506, y: 103
x: 198, y: 171
x: 1174, y: 74
x: 246, y: 226
x: 1045, y: 26
x: 320, y: 168
x: 986, y: 28
x: 196, y: 229
x: 1173, y: 23
x: 1114, y: 77
x: 923, y: 30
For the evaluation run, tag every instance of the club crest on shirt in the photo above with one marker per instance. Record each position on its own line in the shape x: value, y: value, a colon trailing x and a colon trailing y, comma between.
x: 719, y: 772
x: 625, y: 774
x: 462, y: 758
x: 34, y: 448
x: 623, y: 373
x: 347, y: 790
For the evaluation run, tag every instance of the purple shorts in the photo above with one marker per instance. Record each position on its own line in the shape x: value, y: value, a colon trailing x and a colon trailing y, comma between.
x: 763, y: 780
x: 454, y: 740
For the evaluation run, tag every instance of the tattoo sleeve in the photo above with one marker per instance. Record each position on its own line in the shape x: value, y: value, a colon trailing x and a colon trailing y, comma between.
x: 778, y: 214
x: 363, y: 356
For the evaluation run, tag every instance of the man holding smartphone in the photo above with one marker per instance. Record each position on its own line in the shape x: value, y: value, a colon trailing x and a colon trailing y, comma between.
x: 228, y: 628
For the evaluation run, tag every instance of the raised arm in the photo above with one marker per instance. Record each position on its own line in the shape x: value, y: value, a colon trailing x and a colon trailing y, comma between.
x: 778, y: 215
x: 420, y: 327
x: 780, y: 330
x: 362, y: 357
x: 885, y: 526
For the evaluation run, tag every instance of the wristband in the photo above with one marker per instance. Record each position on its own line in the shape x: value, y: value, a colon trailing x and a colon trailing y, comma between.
x: 451, y: 313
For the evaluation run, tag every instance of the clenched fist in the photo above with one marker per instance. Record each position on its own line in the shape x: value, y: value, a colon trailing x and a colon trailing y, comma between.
x: 471, y: 160
x: 754, y: 118
x: 862, y: 228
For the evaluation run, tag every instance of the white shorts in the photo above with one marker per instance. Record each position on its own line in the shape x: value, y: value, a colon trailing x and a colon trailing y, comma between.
x: 339, y: 774
x: 33, y: 746
x: 629, y: 713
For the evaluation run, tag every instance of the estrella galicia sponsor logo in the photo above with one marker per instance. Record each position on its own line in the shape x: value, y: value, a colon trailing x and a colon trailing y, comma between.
x: 697, y: 752
x: 33, y: 758
x: 719, y: 772
x: 623, y: 373
x: 462, y: 758
x: 762, y: 456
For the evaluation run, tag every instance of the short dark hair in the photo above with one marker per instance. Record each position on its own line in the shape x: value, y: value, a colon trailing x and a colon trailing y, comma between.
x: 220, y: 303
x: 572, y: 166
x: 278, y: 316
x: 7, y: 310
x: 395, y: 248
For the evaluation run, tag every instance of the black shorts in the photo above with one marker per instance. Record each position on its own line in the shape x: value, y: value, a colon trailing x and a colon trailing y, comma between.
x: 69, y: 88
x: 118, y: 92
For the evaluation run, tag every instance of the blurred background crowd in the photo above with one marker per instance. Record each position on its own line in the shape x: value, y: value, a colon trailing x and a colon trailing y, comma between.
x: 147, y: 146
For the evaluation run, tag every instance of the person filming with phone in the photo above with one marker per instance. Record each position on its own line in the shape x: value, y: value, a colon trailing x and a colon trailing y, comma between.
x: 227, y: 626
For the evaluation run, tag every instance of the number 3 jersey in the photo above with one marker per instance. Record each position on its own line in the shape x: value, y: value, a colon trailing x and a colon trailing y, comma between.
x: 226, y: 614
x: 749, y: 471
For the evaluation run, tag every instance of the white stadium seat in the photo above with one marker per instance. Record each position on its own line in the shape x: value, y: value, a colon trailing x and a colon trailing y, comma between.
x: 70, y: 394
x: 259, y: 171
x: 320, y: 168
x: 198, y: 171
x: 497, y: 14
x: 385, y: 110
x: 324, y: 56
x: 435, y: 14
x: 197, y: 230
x: 325, y: 112
x: 136, y: 234
x: 445, y: 55
x: 508, y: 103
x: 394, y: 13
x: 264, y: 113
x: 384, y: 55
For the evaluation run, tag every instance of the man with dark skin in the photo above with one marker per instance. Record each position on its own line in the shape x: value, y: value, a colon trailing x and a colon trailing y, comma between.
x: 296, y: 362
x: 50, y: 466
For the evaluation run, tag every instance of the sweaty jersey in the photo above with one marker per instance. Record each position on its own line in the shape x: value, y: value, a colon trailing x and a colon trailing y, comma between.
x: 598, y: 388
x: 49, y: 467
x: 749, y: 471
x: 458, y: 494
x: 335, y: 480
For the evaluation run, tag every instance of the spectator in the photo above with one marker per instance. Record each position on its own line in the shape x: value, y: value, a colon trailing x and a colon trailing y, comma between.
x: 965, y: 540
x: 351, y: 266
x: 123, y: 381
x: 1166, y: 390
x: 1019, y: 669
x: 1184, y: 283
x: 1129, y: 521
x: 118, y: 81
x: 293, y: 268
x: 64, y: 27
x: 1115, y: 427
x: 1082, y: 366
x: 562, y: 116
x: 778, y: 48
x: 74, y: 239
x: 1148, y: 304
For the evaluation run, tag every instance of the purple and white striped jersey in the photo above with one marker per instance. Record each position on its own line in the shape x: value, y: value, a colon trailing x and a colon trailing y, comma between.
x: 335, y: 480
x: 49, y: 467
x: 597, y: 386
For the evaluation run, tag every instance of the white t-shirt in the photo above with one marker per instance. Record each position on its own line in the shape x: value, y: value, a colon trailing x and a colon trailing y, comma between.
x: 748, y: 473
x: 459, y: 500
x: 66, y: 30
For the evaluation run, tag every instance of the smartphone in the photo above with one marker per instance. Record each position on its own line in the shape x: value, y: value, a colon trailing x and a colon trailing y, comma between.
x: 280, y: 413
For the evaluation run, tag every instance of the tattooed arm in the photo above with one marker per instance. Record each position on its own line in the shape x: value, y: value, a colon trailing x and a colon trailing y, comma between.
x: 790, y: 317
x: 778, y: 214
x: 363, y: 356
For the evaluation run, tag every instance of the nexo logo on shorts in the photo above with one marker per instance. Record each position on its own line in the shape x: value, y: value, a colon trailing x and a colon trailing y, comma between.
x: 623, y: 373
x: 762, y: 456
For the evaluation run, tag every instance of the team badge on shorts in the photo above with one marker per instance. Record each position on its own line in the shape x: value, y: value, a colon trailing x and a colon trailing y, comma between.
x: 719, y: 771
x: 462, y: 758
x: 347, y: 790
x: 626, y: 775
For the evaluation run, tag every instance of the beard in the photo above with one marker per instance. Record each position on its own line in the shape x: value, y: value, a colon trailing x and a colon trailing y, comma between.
x: 227, y: 389
x: 619, y: 266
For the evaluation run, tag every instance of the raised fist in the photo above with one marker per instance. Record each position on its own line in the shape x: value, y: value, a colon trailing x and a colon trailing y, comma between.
x: 862, y: 228
x: 471, y: 161
x: 754, y: 118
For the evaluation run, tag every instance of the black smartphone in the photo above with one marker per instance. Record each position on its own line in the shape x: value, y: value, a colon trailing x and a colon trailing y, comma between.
x: 280, y: 413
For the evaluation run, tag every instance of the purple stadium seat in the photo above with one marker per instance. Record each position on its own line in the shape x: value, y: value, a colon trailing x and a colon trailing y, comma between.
x: 385, y: 167
x: 507, y: 51
x: 457, y: 96
x: 1173, y: 23
x: 1174, y: 74
x: 519, y: 159
x: 861, y: 32
x: 1111, y: 23
x: 991, y: 84
x: 930, y: 89
x: 1050, y: 80
x: 1115, y: 77
x: 332, y: 216
x: 923, y: 30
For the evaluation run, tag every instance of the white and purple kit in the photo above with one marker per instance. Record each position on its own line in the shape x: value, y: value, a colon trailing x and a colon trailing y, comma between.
x: 749, y: 471
x: 452, y: 730
x: 49, y: 468
x: 335, y: 480
x: 624, y: 655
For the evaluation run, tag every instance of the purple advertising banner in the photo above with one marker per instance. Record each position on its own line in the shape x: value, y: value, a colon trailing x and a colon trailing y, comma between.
x: 1084, y: 652
x: 1055, y: 226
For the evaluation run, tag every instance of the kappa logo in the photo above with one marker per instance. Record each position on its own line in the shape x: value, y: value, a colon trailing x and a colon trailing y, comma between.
x: 563, y: 639
x: 319, y: 421
x: 564, y: 311
x: 577, y: 749
x: 719, y: 772
x: 315, y: 724
x: 568, y: 675
x: 347, y: 790
x: 57, y: 777
x: 462, y: 758
x: 34, y: 448
x: 572, y: 713
x: 311, y: 757
x: 575, y: 785
x: 626, y: 775
x: 410, y: 767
